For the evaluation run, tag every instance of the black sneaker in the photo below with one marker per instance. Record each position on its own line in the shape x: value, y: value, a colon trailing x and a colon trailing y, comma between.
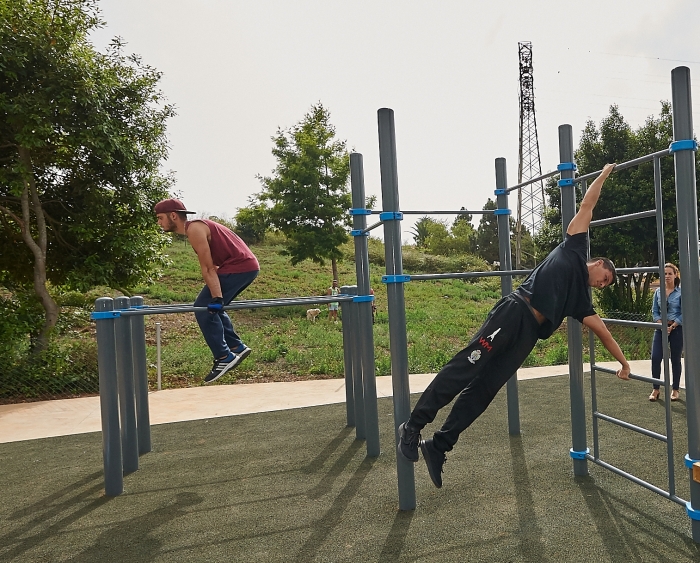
x: 408, y: 443
x: 243, y: 353
x: 222, y: 366
x: 434, y: 459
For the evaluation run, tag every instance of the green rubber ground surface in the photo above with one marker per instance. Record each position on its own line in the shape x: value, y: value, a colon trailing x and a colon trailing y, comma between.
x: 295, y: 486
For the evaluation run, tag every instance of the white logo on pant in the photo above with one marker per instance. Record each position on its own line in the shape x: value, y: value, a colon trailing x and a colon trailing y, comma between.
x: 474, y: 356
x: 493, y: 334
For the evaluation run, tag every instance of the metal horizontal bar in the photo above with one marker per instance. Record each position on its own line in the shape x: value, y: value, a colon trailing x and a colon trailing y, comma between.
x: 632, y: 375
x: 627, y: 164
x: 638, y: 270
x: 533, y: 180
x: 374, y: 226
x: 423, y: 277
x: 621, y: 218
x: 629, y: 426
x: 637, y: 480
x: 637, y: 324
x: 238, y: 305
x: 460, y: 212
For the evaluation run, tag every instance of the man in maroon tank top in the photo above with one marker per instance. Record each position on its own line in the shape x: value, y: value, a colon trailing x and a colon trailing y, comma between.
x: 228, y: 267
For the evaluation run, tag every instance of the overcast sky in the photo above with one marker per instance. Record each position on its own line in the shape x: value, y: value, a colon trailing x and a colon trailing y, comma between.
x: 237, y: 71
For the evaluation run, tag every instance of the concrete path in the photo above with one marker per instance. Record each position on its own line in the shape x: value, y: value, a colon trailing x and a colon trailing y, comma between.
x: 43, y: 419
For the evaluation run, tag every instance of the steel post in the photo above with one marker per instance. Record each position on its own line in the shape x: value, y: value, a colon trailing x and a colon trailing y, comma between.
x: 347, y: 361
x: 364, y: 308
x: 138, y: 345
x: 109, y: 399
x: 356, y: 359
x: 506, y: 282
x: 686, y: 206
x: 574, y: 330
x: 395, y: 299
x: 127, y: 394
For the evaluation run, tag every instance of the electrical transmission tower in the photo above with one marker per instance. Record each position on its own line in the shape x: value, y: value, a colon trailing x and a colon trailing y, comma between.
x: 531, y: 201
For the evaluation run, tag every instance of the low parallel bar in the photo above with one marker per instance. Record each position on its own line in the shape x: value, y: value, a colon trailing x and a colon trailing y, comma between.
x: 460, y: 212
x: 533, y: 180
x: 622, y: 218
x: 632, y: 375
x: 637, y: 480
x: 628, y: 164
x: 238, y: 305
x: 629, y: 426
x: 493, y: 274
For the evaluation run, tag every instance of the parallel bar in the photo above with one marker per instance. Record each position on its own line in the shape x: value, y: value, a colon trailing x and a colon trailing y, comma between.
x: 460, y: 212
x: 138, y: 345
x: 637, y: 480
x: 495, y: 273
x: 395, y: 300
x: 627, y: 164
x: 622, y: 218
x: 109, y: 400
x: 347, y: 365
x: 533, y: 180
x: 127, y: 394
x: 506, y: 285
x: 629, y: 426
x: 237, y: 305
x: 365, y: 331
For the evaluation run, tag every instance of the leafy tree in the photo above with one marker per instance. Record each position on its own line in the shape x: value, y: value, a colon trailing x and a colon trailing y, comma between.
x: 308, y: 191
x: 252, y: 221
x: 631, y: 243
x: 486, y: 242
x: 82, y: 135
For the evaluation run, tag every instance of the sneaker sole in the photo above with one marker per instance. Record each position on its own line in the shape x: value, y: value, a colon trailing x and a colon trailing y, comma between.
x: 398, y: 447
x: 237, y: 360
x: 437, y: 480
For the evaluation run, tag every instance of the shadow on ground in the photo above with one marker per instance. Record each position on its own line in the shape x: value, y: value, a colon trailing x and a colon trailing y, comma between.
x: 295, y: 486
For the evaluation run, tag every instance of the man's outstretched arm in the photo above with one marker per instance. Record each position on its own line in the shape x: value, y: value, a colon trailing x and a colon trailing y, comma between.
x: 596, y: 324
x: 580, y: 222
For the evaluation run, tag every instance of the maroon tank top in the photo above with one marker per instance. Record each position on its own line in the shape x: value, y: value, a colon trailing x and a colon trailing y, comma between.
x: 228, y: 251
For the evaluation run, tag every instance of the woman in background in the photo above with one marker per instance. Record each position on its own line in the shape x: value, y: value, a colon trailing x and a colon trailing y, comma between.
x: 672, y: 279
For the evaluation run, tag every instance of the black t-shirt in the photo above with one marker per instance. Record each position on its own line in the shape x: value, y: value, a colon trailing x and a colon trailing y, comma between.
x: 558, y: 286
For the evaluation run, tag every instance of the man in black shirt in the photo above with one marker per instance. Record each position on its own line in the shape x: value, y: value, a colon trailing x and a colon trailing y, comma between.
x: 558, y: 287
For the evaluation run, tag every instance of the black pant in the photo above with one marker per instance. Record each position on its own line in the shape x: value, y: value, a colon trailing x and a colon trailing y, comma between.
x: 675, y: 343
x: 479, y: 371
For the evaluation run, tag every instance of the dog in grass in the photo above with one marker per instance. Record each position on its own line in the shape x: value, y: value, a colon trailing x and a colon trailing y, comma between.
x: 312, y: 314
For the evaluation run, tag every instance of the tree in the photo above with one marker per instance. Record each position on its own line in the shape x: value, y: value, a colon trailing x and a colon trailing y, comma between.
x: 487, y: 245
x: 82, y: 135
x: 632, y: 243
x: 252, y: 221
x: 308, y: 191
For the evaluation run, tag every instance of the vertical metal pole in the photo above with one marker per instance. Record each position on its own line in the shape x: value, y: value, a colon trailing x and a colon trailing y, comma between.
x: 575, y: 334
x: 138, y: 345
x: 395, y: 300
x: 365, y: 332
x: 660, y: 243
x: 127, y: 396
x: 686, y: 205
x: 350, y: 310
x: 503, y: 217
x: 158, y: 375
x: 109, y: 399
x: 347, y: 362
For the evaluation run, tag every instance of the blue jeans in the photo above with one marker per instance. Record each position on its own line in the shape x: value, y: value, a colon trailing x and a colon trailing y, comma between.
x: 217, y: 328
x: 675, y: 343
